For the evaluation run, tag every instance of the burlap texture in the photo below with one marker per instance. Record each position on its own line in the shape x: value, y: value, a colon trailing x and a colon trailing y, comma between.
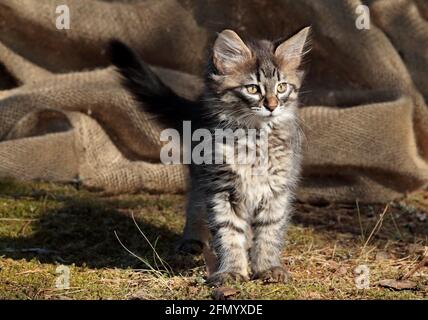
x: 64, y: 116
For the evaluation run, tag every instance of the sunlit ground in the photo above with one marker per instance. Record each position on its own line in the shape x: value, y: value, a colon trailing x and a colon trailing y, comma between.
x: 44, y: 226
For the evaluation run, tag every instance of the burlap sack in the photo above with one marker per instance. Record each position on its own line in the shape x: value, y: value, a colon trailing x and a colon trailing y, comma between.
x: 64, y: 116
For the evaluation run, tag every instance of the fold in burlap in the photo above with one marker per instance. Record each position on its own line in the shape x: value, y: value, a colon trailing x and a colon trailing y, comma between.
x: 64, y: 116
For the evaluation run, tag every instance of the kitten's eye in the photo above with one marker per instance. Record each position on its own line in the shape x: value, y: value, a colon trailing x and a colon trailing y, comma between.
x: 252, y: 89
x: 282, y: 87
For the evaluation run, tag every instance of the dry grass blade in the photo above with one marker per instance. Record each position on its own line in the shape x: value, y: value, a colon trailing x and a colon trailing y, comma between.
x: 18, y: 219
x: 163, y: 262
x: 158, y: 273
x: 376, y: 228
x: 363, y: 236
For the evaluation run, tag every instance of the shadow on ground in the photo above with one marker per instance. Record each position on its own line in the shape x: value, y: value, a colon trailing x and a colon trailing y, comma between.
x: 79, y: 227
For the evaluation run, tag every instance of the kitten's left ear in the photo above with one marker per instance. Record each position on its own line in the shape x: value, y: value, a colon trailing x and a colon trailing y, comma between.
x: 289, y: 53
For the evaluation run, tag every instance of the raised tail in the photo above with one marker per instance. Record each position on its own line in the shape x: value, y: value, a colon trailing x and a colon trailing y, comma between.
x: 154, y: 96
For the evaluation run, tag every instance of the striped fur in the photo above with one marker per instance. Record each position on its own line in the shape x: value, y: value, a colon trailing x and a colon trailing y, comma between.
x: 241, y: 214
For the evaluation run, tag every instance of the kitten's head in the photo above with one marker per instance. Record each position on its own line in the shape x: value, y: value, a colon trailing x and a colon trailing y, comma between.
x: 256, y: 81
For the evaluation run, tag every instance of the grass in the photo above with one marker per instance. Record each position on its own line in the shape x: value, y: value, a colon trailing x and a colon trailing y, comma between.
x: 122, y: 247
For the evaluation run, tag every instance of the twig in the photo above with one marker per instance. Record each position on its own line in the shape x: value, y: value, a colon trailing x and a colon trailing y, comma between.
x: 376, y: 227
x: 416, y: 268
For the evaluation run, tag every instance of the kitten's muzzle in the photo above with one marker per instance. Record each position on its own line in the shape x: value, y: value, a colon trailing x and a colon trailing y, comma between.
x: 270, y: 103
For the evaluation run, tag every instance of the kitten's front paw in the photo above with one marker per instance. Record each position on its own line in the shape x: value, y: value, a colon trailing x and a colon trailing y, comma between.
x: 190, y: 246
x: 221, y: 278
x: 273, y: 275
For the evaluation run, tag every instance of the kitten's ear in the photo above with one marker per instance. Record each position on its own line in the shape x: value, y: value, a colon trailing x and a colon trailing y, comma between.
x: 230, y: 52
x: 289, y: 53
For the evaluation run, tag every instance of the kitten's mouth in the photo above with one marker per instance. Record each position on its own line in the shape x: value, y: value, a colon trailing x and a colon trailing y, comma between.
x: 266, y: 114
x: 270, y: 114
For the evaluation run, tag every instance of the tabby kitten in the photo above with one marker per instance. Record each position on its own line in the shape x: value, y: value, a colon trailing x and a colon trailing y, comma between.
x: 248, y: 85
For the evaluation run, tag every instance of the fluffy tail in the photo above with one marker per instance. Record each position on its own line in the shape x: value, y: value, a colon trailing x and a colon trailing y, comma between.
x: 155, y: 97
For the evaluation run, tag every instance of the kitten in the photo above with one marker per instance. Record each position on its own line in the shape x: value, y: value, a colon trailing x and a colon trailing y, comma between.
x: 248, y: 85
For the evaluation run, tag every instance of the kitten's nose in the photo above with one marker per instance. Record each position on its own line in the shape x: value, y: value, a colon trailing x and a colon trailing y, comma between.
x: 270, y: 103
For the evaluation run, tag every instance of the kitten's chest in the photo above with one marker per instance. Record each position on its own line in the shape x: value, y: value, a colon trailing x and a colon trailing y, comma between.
x: 269, y: 175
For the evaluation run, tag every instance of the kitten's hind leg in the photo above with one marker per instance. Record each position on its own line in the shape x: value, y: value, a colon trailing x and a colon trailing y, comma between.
x: 195, y: 233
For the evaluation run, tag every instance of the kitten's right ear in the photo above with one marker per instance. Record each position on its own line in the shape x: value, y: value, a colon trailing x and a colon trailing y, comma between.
x: 230, y: 52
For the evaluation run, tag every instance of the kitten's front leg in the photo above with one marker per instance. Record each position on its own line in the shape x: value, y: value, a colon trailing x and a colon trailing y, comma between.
x: 268, y: 228
x: 230, y: 240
